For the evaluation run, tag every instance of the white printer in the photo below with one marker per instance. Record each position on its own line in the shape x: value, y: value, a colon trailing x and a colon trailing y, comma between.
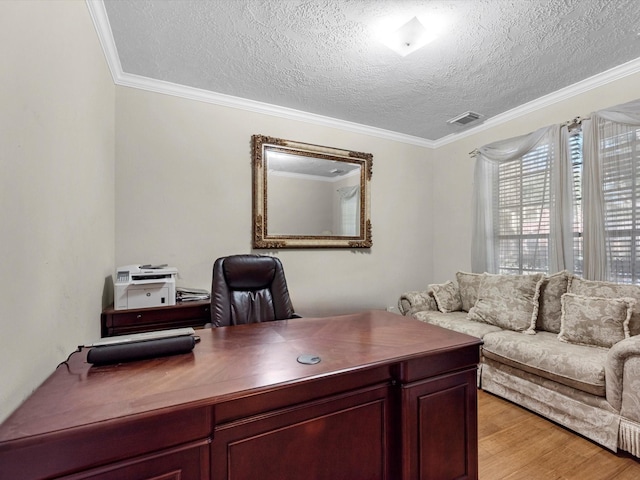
x: 142, y: 286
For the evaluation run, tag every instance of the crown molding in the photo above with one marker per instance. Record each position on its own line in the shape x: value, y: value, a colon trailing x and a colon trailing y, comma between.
x: 583, y: 86
x: 206, y: 96
x: 103, y: 29
x: 105, y: 36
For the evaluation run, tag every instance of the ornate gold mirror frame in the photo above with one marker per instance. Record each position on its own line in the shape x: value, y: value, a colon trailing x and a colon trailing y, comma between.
x: 309, y: 196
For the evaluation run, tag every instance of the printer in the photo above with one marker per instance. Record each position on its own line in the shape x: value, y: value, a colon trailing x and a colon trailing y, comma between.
x: 143, y: 286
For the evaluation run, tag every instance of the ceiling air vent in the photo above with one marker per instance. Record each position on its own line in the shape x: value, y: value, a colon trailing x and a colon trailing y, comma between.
x: 464, y: 119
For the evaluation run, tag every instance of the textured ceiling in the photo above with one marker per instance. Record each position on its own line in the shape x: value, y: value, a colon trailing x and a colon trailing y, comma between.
x: 322, y: 56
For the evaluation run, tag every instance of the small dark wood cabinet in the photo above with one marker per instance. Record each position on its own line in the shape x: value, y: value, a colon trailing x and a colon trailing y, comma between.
x: 137, y: 320
x: 446, y: 405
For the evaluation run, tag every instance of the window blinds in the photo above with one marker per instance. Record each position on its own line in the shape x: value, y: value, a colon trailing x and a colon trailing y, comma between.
x: 620, y: 163
x: 522, y: 198
x: 522, y: 203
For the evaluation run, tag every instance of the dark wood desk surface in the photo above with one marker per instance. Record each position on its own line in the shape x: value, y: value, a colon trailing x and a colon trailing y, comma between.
x: 235, y: 364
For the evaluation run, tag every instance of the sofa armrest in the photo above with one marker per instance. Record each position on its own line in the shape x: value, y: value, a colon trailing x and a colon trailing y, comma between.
x: 622, y: 377
x: 416, y: 301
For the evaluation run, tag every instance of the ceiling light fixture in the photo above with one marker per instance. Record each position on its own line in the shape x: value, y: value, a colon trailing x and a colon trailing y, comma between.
x: 409, y: 37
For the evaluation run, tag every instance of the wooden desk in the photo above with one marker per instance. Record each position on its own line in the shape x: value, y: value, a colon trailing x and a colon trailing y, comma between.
x: 393, y: 398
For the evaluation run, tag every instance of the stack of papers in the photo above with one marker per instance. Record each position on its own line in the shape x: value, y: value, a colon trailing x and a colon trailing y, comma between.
x: 185, y: 294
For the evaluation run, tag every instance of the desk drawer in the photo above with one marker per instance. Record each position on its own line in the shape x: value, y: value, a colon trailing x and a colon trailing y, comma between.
x: 190, y: 462
x: 104, y: 443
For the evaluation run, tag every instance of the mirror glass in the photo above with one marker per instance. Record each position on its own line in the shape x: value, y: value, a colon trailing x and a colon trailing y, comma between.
x: 309, y: 196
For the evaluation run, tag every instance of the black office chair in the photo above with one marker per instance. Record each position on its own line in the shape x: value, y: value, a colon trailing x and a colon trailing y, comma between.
x: 249, y: 289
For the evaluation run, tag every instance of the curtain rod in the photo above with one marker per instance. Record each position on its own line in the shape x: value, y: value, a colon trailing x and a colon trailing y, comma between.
x: 574, y: 123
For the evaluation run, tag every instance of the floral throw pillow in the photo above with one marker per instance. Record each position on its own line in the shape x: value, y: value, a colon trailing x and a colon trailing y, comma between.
x: 594, y: 321
x: 468, y: 286
x: 551, y: 291
x: 594, y: 288
x: 508, y: 301
x: 447, y: 296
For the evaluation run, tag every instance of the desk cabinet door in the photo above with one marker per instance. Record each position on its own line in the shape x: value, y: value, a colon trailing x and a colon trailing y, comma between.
x: 190, y: 462
x: 440, y: 428
x: 343, y: 437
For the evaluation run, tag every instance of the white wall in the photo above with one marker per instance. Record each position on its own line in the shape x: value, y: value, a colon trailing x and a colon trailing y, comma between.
x: 183, y: 197
x: 56, y: 189
x: 453, y: 170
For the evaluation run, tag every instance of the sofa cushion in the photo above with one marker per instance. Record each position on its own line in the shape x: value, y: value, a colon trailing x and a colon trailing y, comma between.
x: 576, y: 366
x: 447, y: 296
x: 468, y: 286
x: 508, y: 301
x: 592, y: 288
x: 550, y: 310
x: 597, y: 321
x: 458, y: 322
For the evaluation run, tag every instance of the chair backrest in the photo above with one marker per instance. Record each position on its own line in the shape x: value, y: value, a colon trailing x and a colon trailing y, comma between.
x: 249, y: 289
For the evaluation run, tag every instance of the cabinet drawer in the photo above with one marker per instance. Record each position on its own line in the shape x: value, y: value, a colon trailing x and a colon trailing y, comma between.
x: 157, y: 315
x: 118, y: 322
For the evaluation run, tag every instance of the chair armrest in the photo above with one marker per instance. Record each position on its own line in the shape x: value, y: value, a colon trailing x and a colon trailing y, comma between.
x: 416, y: 301
x: 622, y: 377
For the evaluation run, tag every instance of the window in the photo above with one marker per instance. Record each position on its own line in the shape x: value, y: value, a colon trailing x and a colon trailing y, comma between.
x: 522, y: 200
x: 620, y: 157
x: 349, y: 210
x: 558, y: 199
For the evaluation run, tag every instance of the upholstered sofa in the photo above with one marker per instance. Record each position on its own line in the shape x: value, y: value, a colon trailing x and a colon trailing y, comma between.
x: 559, y: 345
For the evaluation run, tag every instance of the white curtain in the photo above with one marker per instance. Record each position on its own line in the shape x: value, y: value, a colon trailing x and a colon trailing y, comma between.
x: 484, y: 255
x: 349, y: 210
x: 561, y: 248
x: 605, y: 156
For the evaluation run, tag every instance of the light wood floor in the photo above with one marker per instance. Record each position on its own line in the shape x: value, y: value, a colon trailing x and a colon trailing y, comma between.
x: 517, y: 444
